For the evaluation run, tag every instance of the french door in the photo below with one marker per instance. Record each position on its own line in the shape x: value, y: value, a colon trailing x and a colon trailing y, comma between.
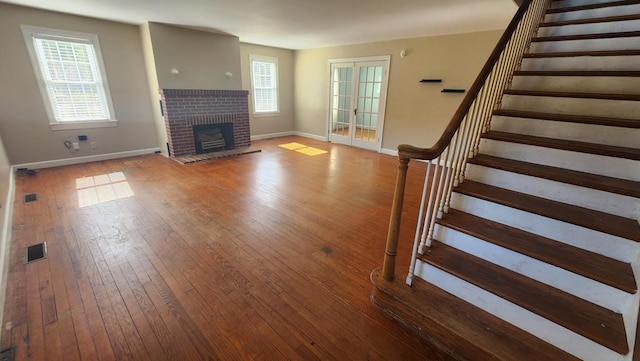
x: 358, y: 97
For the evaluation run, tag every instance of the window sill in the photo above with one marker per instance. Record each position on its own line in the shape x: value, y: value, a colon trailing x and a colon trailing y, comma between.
x: 266, y: 114
x: 83, y: 125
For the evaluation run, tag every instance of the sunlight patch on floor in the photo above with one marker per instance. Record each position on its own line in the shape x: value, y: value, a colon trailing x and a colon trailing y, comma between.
x: 302, y: 148
x: 102, y: 188
x: 311, y: 151
x: 292, y: 146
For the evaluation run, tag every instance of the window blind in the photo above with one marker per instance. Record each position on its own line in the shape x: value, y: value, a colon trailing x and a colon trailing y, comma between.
x: 72, y: 78
x: 265, y: 92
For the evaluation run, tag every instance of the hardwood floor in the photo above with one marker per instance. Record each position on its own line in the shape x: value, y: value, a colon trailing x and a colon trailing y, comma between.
x: 265, y: 256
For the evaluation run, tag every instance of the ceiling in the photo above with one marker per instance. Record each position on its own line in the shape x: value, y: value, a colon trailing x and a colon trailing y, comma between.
x: 301, y: 24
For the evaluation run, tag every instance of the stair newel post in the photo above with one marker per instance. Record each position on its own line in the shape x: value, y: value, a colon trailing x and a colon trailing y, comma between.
x: 389, y: 264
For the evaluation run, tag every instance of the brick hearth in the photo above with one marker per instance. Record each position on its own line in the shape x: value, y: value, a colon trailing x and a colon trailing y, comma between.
x: 184, y: 108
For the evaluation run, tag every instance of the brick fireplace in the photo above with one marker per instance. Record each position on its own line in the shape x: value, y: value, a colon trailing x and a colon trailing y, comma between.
x: 185, y: 108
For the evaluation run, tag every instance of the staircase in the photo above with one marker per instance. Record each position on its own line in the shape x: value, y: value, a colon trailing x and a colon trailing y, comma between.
x: 540, y: 232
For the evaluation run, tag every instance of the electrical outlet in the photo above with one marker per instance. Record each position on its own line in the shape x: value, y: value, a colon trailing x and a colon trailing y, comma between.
x: 76, y: 146
x: 94, y: 145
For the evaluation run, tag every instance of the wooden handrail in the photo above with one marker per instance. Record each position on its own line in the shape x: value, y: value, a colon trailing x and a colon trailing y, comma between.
x: 406, y: 151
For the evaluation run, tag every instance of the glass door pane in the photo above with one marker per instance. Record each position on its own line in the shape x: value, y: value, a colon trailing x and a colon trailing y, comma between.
x: 341, y: 102
x: 369, y: 84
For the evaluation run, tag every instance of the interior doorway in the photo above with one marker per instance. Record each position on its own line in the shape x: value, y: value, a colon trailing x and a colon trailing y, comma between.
x: 357, y: 101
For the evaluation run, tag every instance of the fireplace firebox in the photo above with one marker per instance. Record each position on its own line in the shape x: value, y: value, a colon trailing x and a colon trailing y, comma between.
x: 213, y: 137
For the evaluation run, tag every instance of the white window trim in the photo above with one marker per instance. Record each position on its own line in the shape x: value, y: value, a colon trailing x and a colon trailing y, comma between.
x: 28, y: 33
x: 253, y: 102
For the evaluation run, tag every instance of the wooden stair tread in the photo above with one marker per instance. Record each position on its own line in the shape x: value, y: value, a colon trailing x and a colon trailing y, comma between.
x: 583, y: 217
x: 592, y: 6
x: 569, y: 118
x: 581, y: 95
x: 621, y: 34
x: 582, y: 179
x: 594, y: 322
x: 600, y: 268
x: 569, y: 145
x: 604, y: 19
x: 467, y: 331
x: 563, y: 54
x: 598, y: 73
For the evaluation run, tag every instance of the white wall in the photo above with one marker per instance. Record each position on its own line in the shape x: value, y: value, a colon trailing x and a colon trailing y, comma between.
x: 154, y: 86
x: 6, y: 207
x: 24, y: 124
x: 416, y: 113
x: 272, y: 124
x: 203, y: 58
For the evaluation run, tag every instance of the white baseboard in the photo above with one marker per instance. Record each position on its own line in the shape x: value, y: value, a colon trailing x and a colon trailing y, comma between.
x: 312, y: 136
x: 5, y: 242
x: 271, y: 135
x: 87, y: 159
x: 285, y: 134
x: 393, y: 152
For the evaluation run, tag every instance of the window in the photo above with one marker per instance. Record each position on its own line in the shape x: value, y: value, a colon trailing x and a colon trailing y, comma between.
x: 264, y: 84
x: 71, y: 77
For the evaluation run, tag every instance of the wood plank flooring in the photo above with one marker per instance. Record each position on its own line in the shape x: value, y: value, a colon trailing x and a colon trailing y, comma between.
x: 265, y: 256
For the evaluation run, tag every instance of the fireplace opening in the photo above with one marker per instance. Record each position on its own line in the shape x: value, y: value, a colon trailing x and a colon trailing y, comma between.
x: 213, y: 137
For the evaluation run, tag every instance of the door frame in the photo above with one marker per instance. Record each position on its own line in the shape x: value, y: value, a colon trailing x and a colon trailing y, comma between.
x: 383, y: 93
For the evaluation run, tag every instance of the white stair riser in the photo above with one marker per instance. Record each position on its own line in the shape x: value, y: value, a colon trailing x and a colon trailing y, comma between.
x: 594, y: 13
x: 605, y: 244
x: 600, y: 84
x: 631, y: 62
x: 594, y: 107
x: 583, y: 162
x: 538, y: 326
x: 586, y: 45
x: 591, y: 133
x: 594, y: 199
x: 594, y: 28
x: 579, y: 286
x: 570, y: 3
